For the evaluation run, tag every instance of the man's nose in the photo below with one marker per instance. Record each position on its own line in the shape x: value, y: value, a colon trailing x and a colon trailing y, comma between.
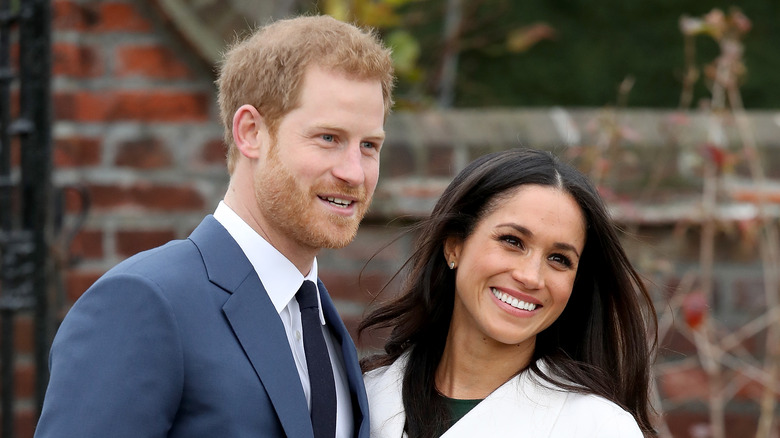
x: 350, y: 166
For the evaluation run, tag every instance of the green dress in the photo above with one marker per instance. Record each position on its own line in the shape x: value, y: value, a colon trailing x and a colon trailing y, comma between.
x: 458, y: 407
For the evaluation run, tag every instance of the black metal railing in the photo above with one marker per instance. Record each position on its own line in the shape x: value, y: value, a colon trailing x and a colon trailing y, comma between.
x: 25, y: 187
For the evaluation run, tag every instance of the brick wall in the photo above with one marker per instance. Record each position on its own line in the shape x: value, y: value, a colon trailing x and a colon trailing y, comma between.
x: 135, y: 126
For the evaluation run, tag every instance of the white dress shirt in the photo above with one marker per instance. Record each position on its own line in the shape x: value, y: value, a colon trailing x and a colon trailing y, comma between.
x: 281, y: 280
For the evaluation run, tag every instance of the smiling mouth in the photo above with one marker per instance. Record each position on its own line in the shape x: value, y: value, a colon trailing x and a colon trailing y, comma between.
x: 512, y: 301
x: 337, y: 202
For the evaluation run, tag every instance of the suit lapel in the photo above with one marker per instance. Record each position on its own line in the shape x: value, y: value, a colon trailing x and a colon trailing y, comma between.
x: 256, y: 324
x: 351, y: 364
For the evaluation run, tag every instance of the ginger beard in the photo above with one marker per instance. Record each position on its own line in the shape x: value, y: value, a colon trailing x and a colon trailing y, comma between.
x: 292, y: 209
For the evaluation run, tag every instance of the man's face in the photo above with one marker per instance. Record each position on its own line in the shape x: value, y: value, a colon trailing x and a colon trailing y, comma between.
x: 316, y: 183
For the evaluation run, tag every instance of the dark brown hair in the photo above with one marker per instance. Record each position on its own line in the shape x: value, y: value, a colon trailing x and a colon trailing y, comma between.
x: 602, y: 343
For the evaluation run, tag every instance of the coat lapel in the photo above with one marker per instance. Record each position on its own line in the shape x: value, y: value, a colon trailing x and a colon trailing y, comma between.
x: 523, y: 404
x: 351, y: 364
x: 256, y: 324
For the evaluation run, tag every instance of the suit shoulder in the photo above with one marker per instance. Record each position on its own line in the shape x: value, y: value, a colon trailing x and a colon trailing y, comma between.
x: 168, y: 258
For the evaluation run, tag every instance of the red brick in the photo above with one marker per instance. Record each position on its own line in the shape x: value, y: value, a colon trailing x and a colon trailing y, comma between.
x: 14, y: 56
x: 751, y: 390
x: 399, y: 160
x: 76, y: 152
x: 121, y: 17
x: 684, y: 384
x: 379, y: 244
x: 143, y: 154
x: 167, y: 198
x: 684, y: 423
x: 153, y: 197
x: 214, y: 152
x: 77, y: 282
x: 108, y: 196
x: 16, y: 152
x: 370, y: 341
x: 24, y: 341
x: 151, y: 61
x: 88, y: 244
x: 76, y: 199
x: 133, y: 242
x: 353, y: 287
x: 675, y: 344
x: 164, y: 106
x: 98, y: 17
x: 68, y: 15
x: 24, y: 380
x: 24, y: 422
x: 440, y: 160
x: 14, y: 103
x: 144, y: 105
x: 75, y: 60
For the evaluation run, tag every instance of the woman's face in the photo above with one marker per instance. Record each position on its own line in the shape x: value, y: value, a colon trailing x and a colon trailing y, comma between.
x: 515, y: 272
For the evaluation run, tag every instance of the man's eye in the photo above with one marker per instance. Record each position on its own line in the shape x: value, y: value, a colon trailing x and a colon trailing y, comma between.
x: 327, y: 137
x: 368, y: 145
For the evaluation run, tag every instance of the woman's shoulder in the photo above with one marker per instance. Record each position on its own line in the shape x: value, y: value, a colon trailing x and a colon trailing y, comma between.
x: 386, y: 376
x: 588, y: 414
x: 385, y: 403
x: 595, y: 405
x: 600, y: 416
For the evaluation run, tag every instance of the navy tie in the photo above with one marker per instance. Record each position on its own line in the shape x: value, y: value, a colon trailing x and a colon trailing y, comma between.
x: 323, y: 387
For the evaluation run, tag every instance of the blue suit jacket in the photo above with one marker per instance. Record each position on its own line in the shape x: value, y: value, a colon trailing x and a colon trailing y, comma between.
x: 183, y: 341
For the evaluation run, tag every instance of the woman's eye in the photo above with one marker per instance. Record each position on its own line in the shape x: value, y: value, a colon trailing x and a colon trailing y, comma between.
x: 368, y: 145
x: 561, y: 259
x: 512, y: 240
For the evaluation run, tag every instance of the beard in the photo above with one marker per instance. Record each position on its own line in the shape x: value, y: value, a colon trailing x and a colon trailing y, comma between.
x: 292, y: 209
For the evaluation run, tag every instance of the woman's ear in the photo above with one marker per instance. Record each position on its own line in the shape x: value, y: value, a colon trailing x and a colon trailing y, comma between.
x: 248, y: 131
x: 452, y: 248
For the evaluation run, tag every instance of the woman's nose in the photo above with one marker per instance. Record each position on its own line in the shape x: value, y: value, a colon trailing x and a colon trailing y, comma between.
x: 529, y: 272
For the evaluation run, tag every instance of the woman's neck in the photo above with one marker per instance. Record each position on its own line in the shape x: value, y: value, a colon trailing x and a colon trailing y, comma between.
x: 473, y: 368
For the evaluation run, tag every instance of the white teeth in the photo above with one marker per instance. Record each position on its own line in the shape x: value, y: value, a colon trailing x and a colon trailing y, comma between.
x: 512, y: 301
x: 339, y: 202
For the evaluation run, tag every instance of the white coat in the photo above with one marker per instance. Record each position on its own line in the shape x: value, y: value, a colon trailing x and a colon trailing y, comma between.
x: 522, y: 407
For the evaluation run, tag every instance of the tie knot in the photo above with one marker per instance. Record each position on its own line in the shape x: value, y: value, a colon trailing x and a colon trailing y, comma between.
x: 307, y: 295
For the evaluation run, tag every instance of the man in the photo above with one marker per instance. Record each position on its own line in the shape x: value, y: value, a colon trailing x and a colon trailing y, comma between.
x: 206, y: 337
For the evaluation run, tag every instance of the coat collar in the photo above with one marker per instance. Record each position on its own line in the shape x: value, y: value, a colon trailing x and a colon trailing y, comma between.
x: 523, y: 402
x: 255, y: 323
x: 259, y: 330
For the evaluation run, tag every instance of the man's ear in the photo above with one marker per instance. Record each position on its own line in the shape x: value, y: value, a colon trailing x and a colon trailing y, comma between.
x: 249, y: 131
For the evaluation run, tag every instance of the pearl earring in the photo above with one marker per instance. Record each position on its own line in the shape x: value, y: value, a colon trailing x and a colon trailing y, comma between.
x: 452, y: 265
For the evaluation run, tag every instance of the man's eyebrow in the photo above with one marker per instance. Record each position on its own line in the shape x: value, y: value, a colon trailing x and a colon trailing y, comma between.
x: 376, y: 135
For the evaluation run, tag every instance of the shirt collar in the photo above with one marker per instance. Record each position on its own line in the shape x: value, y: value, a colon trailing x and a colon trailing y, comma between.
x: 280, y: 278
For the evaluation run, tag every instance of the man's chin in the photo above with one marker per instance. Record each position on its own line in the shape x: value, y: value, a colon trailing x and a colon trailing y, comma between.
x: 337, y: 237
x: 338, y: 242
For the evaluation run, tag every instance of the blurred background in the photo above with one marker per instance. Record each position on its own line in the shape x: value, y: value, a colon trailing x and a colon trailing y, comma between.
x: 110, y: 145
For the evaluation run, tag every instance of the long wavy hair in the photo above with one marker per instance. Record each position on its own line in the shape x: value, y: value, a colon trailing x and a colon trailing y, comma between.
x: 603, y: 342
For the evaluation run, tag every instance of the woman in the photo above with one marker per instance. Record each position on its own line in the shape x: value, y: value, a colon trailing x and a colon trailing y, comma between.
x: 521, y: 314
